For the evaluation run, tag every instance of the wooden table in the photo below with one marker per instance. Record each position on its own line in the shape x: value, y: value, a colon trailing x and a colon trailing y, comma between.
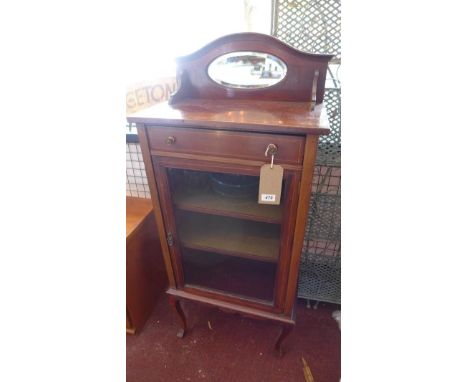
x: 146, y: 276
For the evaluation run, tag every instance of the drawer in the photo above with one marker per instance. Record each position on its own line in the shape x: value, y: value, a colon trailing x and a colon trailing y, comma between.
x: 229, y: 144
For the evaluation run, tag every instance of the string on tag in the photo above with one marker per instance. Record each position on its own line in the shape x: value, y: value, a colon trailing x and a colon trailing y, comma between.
x: 272, y: 158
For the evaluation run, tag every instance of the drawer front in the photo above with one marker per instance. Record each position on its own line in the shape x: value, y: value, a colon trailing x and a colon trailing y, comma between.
x: 229, y: 144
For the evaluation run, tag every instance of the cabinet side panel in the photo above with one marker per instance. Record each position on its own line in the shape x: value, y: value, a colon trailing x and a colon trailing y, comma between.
x: 302, y: 211
x: 287, y: 238
x: 156, y: 205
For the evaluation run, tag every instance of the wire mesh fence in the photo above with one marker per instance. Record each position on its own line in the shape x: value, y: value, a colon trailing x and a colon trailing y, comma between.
x: 314, y: 26
x: 324, y: 221
x: 320, y: 278
x: 329, y: 147
x: 137, y: 182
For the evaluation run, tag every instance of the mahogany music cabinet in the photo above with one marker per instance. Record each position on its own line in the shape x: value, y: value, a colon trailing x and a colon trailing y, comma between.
x: 244, y: 100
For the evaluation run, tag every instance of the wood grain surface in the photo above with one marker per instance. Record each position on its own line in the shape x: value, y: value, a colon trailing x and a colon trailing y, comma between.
x: 263, y: 116
x: 137, y: 210
x: 228, y: 144
x: 146, y: 277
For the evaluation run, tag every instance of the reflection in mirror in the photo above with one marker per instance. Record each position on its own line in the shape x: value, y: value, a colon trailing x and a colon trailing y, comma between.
x: 247, y: 70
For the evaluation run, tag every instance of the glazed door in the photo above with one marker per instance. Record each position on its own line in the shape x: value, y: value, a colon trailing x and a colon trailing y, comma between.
x: 223, y: 242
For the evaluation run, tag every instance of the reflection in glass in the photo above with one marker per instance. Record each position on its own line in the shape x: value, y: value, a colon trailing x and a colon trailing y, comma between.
x: 247, y: 70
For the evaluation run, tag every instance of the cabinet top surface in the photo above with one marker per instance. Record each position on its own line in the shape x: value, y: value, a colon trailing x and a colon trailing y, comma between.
x: 137, y: 210
x: 250, y: 115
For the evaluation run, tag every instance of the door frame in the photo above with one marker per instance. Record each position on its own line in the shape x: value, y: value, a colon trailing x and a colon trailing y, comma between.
x: 161, y: 164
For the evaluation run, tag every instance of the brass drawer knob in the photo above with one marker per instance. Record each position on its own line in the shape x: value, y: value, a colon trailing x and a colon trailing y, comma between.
x: 170, y: 140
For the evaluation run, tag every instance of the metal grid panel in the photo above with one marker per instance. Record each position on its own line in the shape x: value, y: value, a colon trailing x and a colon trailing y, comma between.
x: 324, y: 220
x: 320, y: 279
x: 137, y: 183
x: 327, y: 180
x: 329, y: 147
x: 314, y: 26
x: 324, y: 217
x: 314, y: 248
x: 320, y: 267
x: 310, y: 25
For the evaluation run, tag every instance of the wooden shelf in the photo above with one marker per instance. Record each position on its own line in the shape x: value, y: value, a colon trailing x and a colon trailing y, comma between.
x: 232, y: 237
x: 210, y: 202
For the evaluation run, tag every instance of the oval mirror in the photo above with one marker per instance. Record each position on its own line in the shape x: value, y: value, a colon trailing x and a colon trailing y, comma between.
x: 247, y: 70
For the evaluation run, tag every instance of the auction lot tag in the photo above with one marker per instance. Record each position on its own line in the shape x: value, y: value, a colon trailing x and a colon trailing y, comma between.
x: 271, y: 181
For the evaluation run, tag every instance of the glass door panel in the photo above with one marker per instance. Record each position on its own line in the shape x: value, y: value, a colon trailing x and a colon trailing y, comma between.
x: 227, y: 241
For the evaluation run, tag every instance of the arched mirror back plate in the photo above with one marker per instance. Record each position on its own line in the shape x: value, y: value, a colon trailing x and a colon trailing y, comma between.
x: 237, y: 67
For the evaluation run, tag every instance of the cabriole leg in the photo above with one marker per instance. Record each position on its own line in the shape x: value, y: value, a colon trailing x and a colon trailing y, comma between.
x: 175, y: 303
x: 286, y: 329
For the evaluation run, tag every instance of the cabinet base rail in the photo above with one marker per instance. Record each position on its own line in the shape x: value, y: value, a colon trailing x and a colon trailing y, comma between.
x: 287, y: 323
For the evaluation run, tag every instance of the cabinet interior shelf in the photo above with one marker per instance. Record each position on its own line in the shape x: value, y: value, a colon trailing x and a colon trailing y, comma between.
x: 210, y: 202
x: 231, y: 237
